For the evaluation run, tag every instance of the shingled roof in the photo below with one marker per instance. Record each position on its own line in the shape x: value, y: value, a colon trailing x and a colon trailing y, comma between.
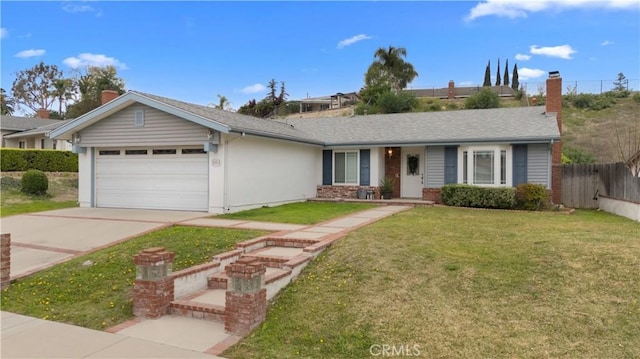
x: 14, y: 123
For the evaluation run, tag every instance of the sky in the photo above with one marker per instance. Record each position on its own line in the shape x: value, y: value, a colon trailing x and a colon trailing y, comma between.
x: 196, y: 50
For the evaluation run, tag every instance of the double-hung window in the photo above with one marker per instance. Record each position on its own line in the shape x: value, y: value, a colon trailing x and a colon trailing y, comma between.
x: 345, y: 167
x: 486, y: 165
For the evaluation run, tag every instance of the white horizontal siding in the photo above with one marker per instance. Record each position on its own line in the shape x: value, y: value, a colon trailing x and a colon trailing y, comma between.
x: 159, y: 129
x: 435, y: 167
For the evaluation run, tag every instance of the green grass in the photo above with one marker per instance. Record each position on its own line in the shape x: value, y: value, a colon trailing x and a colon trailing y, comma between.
x: 299, y: 213
x: 99, y: 295
x: 34, y: 205
x: 464, y: 283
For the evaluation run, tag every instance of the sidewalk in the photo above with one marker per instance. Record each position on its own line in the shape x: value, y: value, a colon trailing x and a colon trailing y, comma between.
x: 169, y: 336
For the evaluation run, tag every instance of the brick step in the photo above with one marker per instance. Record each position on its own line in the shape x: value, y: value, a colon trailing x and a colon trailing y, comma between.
x: 219, y: 280
x: 276, y: 256
x: 207, y: 304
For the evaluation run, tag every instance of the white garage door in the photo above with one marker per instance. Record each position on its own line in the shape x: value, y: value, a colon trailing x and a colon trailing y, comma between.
x: 154, y: 178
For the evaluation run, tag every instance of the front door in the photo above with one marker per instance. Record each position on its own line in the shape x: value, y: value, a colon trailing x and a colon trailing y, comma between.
x: 412, y: 172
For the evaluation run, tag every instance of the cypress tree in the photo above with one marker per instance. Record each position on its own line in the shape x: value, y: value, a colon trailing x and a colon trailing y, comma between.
x: 498, y: 79
x: 514, y: 79
x: 506, y: 73
x: 487, y: 75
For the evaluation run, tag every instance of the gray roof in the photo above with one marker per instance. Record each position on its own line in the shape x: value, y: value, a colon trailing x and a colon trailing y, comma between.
x: 14, y: 123
x: 237, y: 122
x: 38, y: 130
x: 515, y: 125
x: 519, y: 124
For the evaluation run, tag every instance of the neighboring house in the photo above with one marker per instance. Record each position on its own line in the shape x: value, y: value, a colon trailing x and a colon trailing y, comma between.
x: 339, y: 100
x: 452, y: 91
x: 145, y: 151
x: 30, y: 132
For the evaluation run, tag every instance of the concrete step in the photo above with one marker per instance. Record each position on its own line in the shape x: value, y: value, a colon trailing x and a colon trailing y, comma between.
x: 275, y: 256
x: 207, y: 304
x: 219, y: 280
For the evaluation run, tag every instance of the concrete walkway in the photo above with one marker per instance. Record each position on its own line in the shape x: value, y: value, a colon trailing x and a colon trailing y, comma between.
x: 169, y: 336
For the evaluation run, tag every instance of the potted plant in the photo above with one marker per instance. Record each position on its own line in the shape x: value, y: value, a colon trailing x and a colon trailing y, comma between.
x: 386, y: 187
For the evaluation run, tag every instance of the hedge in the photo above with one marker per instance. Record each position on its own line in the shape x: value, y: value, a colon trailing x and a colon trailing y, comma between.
x: 461, y: 195
x: 13, y: 159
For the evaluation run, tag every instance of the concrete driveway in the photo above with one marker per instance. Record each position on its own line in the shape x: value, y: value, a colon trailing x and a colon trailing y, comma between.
x: 40, y: 240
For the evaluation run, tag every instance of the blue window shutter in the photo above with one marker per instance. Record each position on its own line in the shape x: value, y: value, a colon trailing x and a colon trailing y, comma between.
x: 327, y: 164
x: 365, y: 171
x: 450, y: 165
x: 519, y: 164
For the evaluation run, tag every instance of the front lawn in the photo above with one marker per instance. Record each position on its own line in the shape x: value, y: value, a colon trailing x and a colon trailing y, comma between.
x: 299, y: 213
x: 462, y: 283
x: 99, y: 295
x: 62, y: 193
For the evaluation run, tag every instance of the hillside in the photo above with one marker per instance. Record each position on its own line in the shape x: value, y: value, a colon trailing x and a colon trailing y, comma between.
x: 603, y: 134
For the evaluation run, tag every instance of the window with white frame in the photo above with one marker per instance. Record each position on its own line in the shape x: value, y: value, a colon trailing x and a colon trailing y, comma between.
x: 485, y: 165
x: 345, y: 167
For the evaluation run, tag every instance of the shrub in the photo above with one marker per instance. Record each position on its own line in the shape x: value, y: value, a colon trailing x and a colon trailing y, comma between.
x: 531, y: 197
x: 576, y: 155
x: 636, y: 97
x: 14, y: 159
x: 582, y: 100
x: 396, y: 102
x: 35, y: 182
x: 461, y: 195
x: 484, y: 98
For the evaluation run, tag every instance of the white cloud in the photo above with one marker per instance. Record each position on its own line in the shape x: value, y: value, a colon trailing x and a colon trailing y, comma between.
x: 30, y: 53
x: 562, y: 51
x: 3, y: 33
x: 80, y: 7
x: 606, y: 43
x: 518, y: 8
x: 88, y: 59
x: 255, y: 88
x: 352, y: 40
x: 523, y: 57
x: 525, y: 74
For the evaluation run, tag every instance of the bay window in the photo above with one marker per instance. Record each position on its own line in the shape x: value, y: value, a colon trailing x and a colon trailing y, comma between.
x: 485, y: 165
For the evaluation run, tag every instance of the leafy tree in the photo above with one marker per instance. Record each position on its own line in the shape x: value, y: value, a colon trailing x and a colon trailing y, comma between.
x: 515, y: 85
x: 621, y: 83
x: 6, y: 103
x: 484, y: 98
x: 576, y: 155
x: 34, y: 88
x: 487, y: 75
x: 506, y: 73
x: 498, y: 79
x: 91, y: 84
x: 269, y: 105
x: 390, y: 70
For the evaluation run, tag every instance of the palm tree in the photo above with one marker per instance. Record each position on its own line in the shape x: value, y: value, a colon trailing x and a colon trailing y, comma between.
x: 6, y: 103
x: 390, y: 67
x: 223, y: 103
x: 63, y: 92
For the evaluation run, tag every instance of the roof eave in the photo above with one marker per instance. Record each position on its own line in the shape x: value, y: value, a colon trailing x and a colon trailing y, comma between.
x: 445, y: 142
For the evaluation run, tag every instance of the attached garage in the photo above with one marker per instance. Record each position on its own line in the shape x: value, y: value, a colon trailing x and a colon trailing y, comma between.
x: 152, y: 178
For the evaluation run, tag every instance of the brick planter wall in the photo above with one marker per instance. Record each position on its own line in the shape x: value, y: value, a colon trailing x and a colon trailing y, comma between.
x: 5, y: 260
x: 153, y: 289
x: 246, y: 296
x: 432, y: 194
x: 344, y: 191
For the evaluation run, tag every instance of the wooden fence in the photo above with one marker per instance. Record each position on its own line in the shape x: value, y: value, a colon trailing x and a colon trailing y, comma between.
x: 582, y: 184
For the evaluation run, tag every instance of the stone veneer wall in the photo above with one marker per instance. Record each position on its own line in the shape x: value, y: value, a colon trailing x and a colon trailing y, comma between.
x: 345, y: 191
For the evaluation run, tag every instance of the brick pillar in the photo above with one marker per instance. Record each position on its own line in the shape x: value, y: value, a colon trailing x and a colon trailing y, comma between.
x: 153, y: 289
x: 5, y: 260
x: 451, y: 94
x: 554, y: 104
x: 392, y: 164
x: 246, y: 297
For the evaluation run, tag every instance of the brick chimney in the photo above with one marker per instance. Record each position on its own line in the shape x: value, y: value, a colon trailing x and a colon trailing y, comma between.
x: 554, y: 104
x: 109, y: 95
x: 451, y: 94
x: 42, y: 113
